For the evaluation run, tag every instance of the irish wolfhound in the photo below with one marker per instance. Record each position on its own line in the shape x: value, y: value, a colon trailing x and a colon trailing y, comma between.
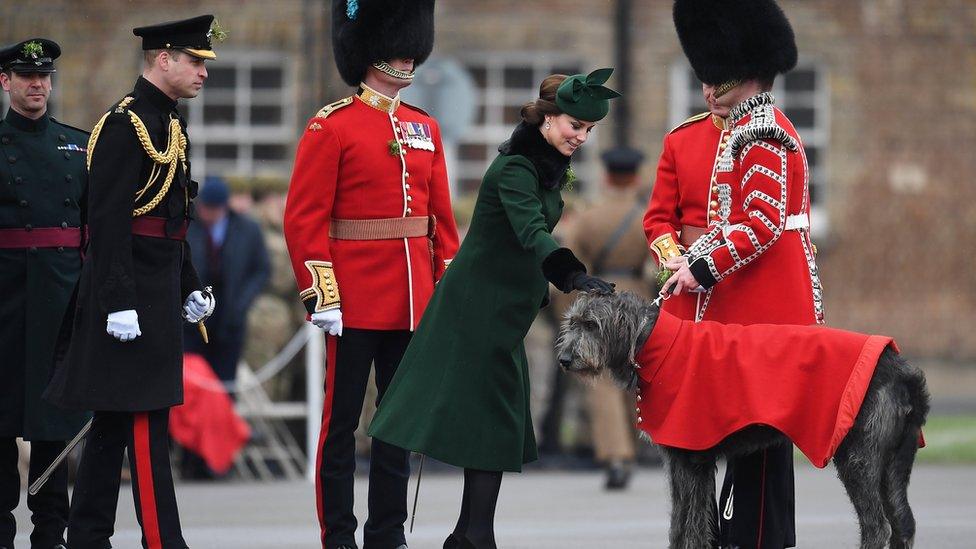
x: 873, y: 459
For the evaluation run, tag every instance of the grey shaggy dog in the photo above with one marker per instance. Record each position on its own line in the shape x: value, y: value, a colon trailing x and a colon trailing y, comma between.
x: 602, y: 333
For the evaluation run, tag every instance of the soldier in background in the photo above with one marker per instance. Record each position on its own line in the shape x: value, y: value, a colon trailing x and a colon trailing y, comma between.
x: 609, y: 239
x: 41, y: 219
x: 125, y: 358
x: 370, y: 231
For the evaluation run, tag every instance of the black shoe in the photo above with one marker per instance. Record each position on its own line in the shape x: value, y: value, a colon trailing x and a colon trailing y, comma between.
x: 618, y: 476
x: 452, y: 542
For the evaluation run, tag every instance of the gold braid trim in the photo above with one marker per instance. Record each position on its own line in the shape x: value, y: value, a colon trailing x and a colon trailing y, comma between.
x: 174, y: 154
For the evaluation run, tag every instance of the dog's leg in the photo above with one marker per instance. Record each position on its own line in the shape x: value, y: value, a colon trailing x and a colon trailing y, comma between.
x: 860, y: 468
x: 896, y: 480
x: 692, y: 476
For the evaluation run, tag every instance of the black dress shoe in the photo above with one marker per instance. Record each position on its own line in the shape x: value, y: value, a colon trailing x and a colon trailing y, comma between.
x: 618, y: 476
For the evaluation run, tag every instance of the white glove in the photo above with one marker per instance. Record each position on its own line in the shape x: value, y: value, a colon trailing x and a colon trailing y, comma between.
x: 123, y: 325
x: 330, y: 321
x: 198, y: 306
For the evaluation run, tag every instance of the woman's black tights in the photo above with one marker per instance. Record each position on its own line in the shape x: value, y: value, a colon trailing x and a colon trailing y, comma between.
x: 476, y: 523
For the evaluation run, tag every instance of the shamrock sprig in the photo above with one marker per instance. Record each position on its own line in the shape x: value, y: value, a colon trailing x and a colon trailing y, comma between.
x: 395, y: 147
x: 216, y: 32
x: 569, y: 179
x: 662, y: 277
x: 33, y: 49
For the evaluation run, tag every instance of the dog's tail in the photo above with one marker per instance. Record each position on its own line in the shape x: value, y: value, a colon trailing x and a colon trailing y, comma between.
x: 918, y: 393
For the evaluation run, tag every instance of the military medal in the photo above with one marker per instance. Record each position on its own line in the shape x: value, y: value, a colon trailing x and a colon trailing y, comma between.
x: 417, y: 135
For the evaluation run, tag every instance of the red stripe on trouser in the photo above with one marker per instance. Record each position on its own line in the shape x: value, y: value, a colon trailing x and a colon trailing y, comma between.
x: 331, y: 342
x: 144, y: 476
x: 762, y: 502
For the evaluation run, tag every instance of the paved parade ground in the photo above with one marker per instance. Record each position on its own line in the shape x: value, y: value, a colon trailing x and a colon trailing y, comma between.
x: 545, y: 510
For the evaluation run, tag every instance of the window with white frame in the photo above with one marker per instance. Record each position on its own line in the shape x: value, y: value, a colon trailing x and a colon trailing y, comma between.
x: 505, y: 82
x: 803, y: 95
x: 243, y: 123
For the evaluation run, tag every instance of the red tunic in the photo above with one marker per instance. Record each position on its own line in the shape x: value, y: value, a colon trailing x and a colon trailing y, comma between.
x: 360, y: 161
x: 701, y: 382
x: 682, y: 193
x: 756, y: 259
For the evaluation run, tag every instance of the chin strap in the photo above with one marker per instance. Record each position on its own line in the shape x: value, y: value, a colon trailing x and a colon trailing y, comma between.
x: 385, y: 68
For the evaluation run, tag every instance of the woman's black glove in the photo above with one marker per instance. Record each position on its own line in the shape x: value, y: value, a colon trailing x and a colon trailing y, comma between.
x: 586, y: 283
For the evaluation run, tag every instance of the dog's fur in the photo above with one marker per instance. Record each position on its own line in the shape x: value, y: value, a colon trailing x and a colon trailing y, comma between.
x: 601, y: 334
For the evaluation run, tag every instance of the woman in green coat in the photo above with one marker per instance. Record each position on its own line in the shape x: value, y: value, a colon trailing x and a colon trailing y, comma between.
x: 461, y: 391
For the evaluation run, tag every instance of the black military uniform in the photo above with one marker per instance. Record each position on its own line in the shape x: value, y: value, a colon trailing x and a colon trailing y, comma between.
x: 140, y: 206
x: 42, y: 181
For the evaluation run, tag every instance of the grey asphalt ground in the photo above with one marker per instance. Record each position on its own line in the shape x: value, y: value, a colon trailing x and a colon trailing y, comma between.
x: 543, y: 510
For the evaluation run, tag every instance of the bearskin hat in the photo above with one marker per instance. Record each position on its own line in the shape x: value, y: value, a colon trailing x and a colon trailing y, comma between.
x: 367, y: 31
x: 735, y: 40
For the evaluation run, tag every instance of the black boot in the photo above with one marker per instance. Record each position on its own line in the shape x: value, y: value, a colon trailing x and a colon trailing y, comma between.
x: 452, y: 542
x: 618, y: 476
x: 482, y: 491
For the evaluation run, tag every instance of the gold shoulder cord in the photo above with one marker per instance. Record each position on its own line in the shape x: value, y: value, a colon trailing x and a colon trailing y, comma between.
x: 174, y: 154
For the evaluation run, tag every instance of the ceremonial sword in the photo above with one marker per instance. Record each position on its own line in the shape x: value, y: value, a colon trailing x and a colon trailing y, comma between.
x: 35, y: 487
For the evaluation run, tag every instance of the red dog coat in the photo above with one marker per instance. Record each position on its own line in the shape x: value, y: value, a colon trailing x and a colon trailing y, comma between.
x: 701, y: 382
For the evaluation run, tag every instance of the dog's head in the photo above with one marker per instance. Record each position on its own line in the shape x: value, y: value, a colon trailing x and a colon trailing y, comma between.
x: 599, y: 334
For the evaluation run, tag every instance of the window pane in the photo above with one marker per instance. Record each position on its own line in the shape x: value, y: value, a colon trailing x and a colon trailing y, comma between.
x: 800, y: 80
x: 218, y: 114
x: 470, y: 184
x: 694, y: 85
x: 266, y: 115
x: 814, y: 192
x: 513, y: 114
x: 567, y: 70
x: 221, y: 152
x: 479, y: 74
x: 269, y: 152
x: 481, y: 116
x: 802, y: 117
x: 221, y: 77
x: 813, y: 156
x: 265, y: 78
x: 473, y: 151
x: 519, y: 77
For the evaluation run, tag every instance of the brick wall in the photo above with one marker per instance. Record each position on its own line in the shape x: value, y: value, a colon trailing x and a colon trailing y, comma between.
x: 902, y: 75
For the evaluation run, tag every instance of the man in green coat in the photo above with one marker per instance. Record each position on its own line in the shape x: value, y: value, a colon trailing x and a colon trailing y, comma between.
x: 42, y: 180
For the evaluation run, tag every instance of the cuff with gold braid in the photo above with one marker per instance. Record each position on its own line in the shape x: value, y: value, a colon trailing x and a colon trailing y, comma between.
x: 665, y: 248
x: 323, y: 295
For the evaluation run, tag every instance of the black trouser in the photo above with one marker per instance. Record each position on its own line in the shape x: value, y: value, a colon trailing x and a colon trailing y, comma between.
x: 49, y: 508
x: 348, y: 360
x: 96, y: 495
x: 757, y: 505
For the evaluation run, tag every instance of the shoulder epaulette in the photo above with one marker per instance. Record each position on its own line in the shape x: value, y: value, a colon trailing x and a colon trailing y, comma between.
x: 69, y: 126
x: 761, y: 125
x: 123, y: 105
x: 325, y: 111
x: 414, y: 107
x: 691, y: 119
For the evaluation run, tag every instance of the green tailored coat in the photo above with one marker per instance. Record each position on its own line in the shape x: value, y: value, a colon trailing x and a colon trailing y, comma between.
x: 461, y: 391
x: 42, y: 184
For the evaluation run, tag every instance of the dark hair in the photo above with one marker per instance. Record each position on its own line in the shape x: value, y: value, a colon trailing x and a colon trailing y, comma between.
x: 149, y: 56
x: 766, y: 82
x: 535, y: 112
